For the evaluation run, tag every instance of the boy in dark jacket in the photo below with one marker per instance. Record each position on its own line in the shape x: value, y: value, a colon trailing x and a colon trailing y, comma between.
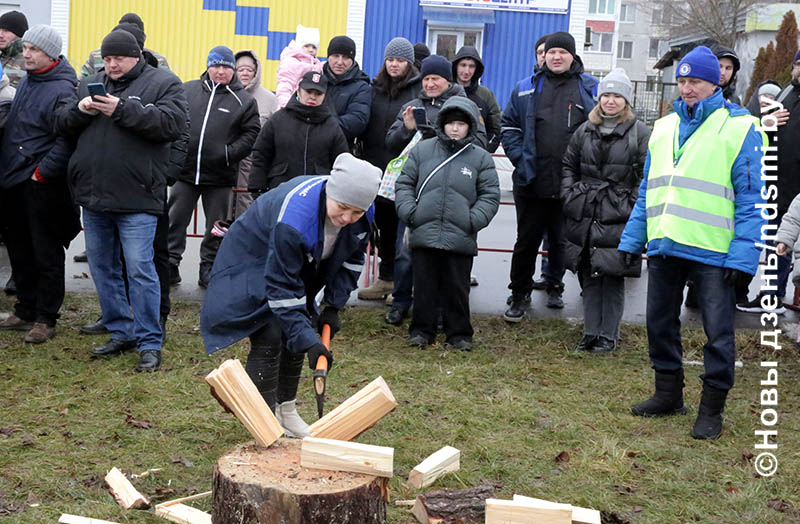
x: 447, y: 192
x: 306, y: 234
x: 224, y: 124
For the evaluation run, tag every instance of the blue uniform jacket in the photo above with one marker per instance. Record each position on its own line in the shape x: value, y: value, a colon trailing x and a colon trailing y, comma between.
x: 746, y: 177
x: 269, y: 264
x: 519, y: 122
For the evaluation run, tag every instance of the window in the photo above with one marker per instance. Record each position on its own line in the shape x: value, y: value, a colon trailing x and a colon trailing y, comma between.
x: 657, y: 48
x: 601, y: 42
x: 652, y: 82
x: 603, y: 7
x: 662, y: 16
x: 446, y: 42
x: 658, y: 14
x: 625, y: 50
x: 627, y: 13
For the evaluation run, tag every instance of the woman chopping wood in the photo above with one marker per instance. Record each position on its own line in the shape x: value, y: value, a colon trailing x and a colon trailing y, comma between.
x: 308, y: 233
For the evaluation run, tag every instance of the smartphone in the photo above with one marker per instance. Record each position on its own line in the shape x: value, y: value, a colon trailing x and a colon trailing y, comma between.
x: 96, y: 89
x: 420, y: 117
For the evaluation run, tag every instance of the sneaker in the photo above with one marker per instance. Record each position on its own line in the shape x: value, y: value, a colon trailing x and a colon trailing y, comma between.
x: 14, y: 323
x: 554, y: 300
x: 377, y: 291
x: 473, y: 280
x: 516, y: 312
x: 40, y: 332
x: 205, y: 275
x: 754, y: 306
x: 526, y: 300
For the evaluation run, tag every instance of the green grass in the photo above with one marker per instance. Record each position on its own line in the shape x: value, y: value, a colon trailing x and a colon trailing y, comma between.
x: 511, y: 406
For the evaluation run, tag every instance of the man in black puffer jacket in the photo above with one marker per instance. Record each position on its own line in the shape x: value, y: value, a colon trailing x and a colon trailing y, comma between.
x: 301, y: 139
x: 224, y: 125
x: 467, y: 71
x: 117, y: 174
x: 349, y: 92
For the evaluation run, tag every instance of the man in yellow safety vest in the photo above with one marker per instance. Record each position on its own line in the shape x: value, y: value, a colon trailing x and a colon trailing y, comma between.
x: 696, y: 214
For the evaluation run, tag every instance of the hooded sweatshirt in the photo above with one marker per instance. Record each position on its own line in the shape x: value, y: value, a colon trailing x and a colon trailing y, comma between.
x: 728, y: 90
x: 481, y: 95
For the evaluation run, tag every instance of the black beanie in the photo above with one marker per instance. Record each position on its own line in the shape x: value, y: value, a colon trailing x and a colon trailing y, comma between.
x: 542, y: 40
x: 133, y: 29
x: 437, y: 65
x: 119, y: 43
x: 132, y: 18
x: 15, y: 22
x: 342, y: 45
x: 560, y: 39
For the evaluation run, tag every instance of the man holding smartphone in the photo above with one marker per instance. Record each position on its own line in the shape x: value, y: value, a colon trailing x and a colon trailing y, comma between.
x: 117, y: 174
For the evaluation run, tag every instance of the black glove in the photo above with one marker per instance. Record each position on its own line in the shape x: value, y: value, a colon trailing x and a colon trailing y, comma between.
x: 736, y: 278
x: 316, y: 351
x: 330, y: 316
x: 630, y: 259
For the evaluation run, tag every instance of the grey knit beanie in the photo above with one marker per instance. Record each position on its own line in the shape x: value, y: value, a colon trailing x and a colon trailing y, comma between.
x: 399, y: 47
x: 616, y: 82
x: 353, y: 182
x: 45, y: 38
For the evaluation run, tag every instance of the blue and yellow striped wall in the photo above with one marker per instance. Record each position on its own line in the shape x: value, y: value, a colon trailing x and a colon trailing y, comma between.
x: 185, y: 30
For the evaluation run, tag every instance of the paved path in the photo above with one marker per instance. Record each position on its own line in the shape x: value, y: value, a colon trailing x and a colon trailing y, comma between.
x: 488, y: 297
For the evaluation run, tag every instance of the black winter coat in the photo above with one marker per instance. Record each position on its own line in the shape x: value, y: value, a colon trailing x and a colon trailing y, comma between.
x: 349, y: 96
x: 30, y: 139
x: 382, y: 115
x: 601, y: 176
x: 225, y: 118
x: 121, y: 162
x: 789, y: 157
x: 296, y: 140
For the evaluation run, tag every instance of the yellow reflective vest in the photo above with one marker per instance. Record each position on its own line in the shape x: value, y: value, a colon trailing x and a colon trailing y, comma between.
x: 690, y: 196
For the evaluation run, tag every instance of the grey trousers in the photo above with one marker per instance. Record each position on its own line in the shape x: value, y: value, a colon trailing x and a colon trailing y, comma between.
x: 603, y: 304
x: 182, y: 200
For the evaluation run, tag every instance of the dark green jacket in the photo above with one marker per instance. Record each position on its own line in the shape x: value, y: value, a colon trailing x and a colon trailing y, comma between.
x: 458, y: 200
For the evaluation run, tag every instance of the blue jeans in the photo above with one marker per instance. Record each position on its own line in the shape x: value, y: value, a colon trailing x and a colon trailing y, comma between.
x: 402, y: 296
x: 666, y: 278
x: 105, y: 234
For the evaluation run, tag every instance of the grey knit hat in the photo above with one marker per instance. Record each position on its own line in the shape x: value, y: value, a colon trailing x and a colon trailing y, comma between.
x: 399, y: 47
x: 45, y: 38
x: 616, y: 82
x: 353, y: 182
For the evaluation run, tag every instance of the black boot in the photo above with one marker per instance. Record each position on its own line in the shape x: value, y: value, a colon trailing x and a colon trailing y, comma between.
x: 668, y: 398
x: 586, y: 343
x: 709, y: 415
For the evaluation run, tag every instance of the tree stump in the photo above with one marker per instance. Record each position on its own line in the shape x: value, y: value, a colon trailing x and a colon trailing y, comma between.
x: 257, y: 485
